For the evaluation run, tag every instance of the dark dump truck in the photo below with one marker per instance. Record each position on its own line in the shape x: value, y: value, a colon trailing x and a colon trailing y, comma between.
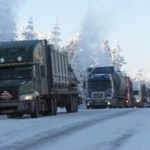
x: 35, y: 78
x: 107, y: 88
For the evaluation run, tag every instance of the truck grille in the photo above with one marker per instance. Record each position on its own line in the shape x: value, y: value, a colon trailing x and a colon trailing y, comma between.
x: 98, y: 95
x: 8, y: 94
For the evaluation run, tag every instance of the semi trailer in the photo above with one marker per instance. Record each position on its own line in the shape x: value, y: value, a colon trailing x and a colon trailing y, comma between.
x: 107, y: 88
x: 35, y: 78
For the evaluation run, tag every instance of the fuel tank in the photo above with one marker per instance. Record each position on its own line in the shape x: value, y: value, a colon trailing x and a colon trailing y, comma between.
x: 119, y: 83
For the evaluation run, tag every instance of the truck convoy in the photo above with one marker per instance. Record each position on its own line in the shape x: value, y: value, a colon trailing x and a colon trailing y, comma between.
x: 142, y: 96
x: 108, y: 88
x: 35, y: 79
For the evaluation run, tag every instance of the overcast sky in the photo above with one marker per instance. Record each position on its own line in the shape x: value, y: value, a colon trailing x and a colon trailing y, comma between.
x: 127, y: 21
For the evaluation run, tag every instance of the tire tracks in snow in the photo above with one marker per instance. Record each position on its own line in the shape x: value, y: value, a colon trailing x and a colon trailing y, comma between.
x: 51, y: 136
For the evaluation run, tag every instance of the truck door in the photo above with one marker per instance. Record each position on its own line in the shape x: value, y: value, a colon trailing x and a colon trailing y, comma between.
x: 37, y: 78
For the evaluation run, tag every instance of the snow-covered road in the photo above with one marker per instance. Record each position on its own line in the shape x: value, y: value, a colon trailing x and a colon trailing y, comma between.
x: 97, y: 129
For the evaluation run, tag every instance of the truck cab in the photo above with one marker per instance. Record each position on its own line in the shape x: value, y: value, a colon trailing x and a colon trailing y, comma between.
x: 137, y: 98
x: 22, y: 76
x: 99, y: 91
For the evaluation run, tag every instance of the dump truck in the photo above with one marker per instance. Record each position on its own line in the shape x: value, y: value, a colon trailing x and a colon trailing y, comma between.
x: 106, y: 88
x: 35, y: 79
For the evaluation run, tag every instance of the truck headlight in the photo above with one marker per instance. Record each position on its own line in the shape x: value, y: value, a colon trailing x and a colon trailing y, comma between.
x: 19, y: 58
x: 108, y: 103
x: 2, y: 60
x: 137, y: 100
x: 26, y: 97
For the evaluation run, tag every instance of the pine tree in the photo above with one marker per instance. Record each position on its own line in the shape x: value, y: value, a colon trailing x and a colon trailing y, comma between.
x: 138, y: 75
x: 7, y: 23
x: 47, y: 35
x: 105, y: 54
x: 117, y: 60
x: 29, y: 33
x: 74, y: 48
x: 20, y: 34
x: 56, y: 40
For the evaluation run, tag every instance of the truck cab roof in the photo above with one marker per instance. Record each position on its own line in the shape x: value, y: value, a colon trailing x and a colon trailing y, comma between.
x: 10, y: 51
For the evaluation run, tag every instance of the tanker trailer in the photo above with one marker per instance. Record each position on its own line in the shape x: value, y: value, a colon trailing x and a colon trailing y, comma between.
x: 105, y: 87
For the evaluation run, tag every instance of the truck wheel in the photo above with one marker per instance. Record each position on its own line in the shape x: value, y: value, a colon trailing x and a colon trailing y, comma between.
x: 35, y: 114
x: 87, y: 107
x: 20, y: 115
x: 53, y: 109
x: 10, y: 115
x: 69, y: 107
x: 76, y: 104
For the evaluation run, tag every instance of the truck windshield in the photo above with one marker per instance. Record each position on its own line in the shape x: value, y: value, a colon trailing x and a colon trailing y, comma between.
x: 22, y: 72
x: 98, y: 84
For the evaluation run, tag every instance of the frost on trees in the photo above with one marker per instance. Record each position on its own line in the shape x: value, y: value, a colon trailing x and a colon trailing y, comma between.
x: 46, y: 35
x: 20, y: 36
x: 105, y: 54
x: 29, y: 33
x: 7, y: 23
x: 117, y: 60
x: 56, y: 40
x: 73, y: 48
x: 137, y: 78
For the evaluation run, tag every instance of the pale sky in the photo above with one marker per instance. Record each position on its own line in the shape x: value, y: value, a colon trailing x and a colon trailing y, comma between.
x: 127, y: 21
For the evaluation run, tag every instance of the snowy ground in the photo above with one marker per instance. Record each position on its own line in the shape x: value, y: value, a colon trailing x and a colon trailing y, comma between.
x: 96, y: 129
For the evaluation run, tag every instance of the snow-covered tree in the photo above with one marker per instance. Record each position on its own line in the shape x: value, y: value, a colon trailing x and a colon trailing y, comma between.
x: 56, y: 40
x: 105, y: 54
x: 138, y: 75
x: 29, y: 33
x: 73, y: 48
x: 94, y: 62
x: 137, y: 78
x: 47, y: 35
x: 20, y: 36
x: 117, y: 60
x: 7, y: 23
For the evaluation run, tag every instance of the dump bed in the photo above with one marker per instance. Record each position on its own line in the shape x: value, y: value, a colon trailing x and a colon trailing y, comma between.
x: 57, y: 67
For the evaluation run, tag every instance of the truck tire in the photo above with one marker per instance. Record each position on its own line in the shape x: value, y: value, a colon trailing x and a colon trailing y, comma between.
x: 20, y: 115
x: 87, y: 107
x: 10, y: 115
x: 76, y: 103
x: 70, y: 106
x: 53, y: 106
x: 35, y: 114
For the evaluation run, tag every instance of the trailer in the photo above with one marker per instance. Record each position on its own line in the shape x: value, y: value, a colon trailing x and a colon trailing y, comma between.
x: 35, y: 79
x: 107, y: 88
x: 129, y: 101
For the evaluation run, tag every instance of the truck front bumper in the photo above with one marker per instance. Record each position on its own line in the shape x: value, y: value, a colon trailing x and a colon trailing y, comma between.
x: 25, y: 107
x: 94, y: 103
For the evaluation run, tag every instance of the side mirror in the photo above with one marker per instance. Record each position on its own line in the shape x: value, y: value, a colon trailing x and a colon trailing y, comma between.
x: 34, y: 73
